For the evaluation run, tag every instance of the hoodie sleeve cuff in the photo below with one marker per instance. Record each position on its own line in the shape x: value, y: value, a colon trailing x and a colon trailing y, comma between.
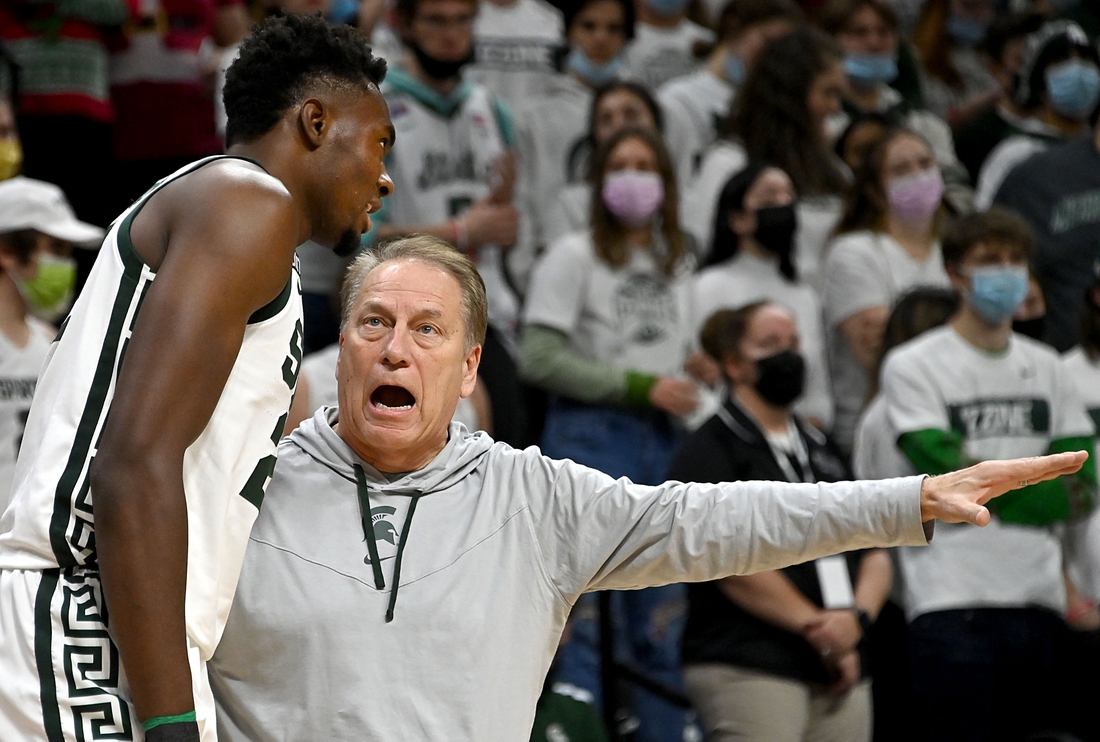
x: 637, y: 388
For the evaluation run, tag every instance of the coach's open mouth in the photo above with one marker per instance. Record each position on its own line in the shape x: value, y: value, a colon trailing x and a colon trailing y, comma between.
x: 389, y: 397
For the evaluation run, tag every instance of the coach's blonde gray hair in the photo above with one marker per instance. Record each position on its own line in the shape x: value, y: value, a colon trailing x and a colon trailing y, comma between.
x: 431, y: 251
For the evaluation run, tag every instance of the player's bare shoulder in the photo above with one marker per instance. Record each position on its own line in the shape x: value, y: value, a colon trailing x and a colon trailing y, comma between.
x: 226, y: 207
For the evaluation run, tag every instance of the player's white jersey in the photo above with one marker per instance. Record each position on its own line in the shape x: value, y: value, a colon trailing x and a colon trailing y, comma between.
x: 50, y: 521
x: 19, y: 367
x: 449, y: 145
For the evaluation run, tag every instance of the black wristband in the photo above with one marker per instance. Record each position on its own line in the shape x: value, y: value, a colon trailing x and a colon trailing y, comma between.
x: 179, y: 731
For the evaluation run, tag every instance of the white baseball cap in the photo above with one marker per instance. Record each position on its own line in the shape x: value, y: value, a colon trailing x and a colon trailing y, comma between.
x: 26, y: 203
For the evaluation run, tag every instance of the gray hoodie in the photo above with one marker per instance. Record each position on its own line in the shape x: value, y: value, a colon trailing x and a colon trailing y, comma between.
x: 492, y: 546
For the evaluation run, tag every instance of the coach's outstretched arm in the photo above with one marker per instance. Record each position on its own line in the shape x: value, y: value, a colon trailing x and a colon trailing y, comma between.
x: 221, y: 243
x: 960, y: 496
x: 626, y: 536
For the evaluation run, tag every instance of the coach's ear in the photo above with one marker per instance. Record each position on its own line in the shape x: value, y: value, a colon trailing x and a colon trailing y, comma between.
x: 313, y: 121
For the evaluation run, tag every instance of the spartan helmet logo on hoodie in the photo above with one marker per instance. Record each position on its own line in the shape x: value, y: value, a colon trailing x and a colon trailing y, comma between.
x: 383, y: 529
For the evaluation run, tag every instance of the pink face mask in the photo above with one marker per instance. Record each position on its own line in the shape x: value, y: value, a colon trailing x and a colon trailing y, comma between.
x: 915, y: 198
x: 633, y: 196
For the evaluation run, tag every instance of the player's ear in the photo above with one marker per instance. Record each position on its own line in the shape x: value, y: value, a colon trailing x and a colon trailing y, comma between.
x: 313, y: 121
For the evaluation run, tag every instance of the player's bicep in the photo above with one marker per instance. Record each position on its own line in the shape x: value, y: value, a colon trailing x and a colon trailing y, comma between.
x: 188, y: 333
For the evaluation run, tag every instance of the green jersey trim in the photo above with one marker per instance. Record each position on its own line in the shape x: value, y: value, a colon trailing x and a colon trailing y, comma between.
x: 61, y: 330
x: 89, y: 420
x: 66, y: 543
x: 444, y: 105
x: 125, y: 243
x: 273, y: 307
x: 43, y: 655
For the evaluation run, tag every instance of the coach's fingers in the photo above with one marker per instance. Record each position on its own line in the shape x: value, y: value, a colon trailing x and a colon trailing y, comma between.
x: 1004, y: 476
x: 961, y: 508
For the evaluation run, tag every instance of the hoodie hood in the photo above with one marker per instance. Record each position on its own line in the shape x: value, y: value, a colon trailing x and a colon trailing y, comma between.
x: 463, y: 452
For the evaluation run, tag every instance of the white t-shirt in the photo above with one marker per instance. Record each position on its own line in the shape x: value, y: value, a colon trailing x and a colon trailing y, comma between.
x: 863, y: 270
x: 746, y: 278
x: 19, y: 369
x: 449, y: 147
x: 548, y: 131
x: 631, y: 318
x: 875, y: 454
x: 721, y: 161
x: 1003, y: 405
x: 817, y: 216
x: 656, y: 55
x: 1082, y: 552
x: 515, y: 47
x: 703, y: 100
x: 570, y: 212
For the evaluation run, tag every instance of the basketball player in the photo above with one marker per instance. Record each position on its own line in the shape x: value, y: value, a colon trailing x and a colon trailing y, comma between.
x: 139, y: 480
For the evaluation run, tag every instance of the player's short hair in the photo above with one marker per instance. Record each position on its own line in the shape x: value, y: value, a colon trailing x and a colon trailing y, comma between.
x: 998, y: 226
x: 283, y: 59
x: 430, y: 251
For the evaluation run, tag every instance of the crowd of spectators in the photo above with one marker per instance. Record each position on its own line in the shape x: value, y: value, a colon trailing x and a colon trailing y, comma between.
x: 758, y: 239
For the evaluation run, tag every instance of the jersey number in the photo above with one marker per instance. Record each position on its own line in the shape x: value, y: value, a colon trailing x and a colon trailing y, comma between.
x: 256, y: 485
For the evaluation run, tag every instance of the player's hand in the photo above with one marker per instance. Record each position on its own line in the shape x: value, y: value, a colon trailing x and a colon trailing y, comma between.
x: 674, y: 396
x: 960, y: 497
x: 490, y: 223
x: 833, y: 632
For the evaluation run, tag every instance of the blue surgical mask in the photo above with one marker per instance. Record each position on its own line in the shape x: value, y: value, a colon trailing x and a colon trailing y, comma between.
x: 871, y: 69
x: 997, y: 291
x: 667, y: 8
x: 594, y: 74
x: 966, y: 29
x: 1074, y: 88
x: 734, y: 68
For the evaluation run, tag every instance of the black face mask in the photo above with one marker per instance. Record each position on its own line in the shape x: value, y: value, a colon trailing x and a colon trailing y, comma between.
x: 1035, y: 328
x: 436, y: 68
x: 775, y: 228
x: 780, y: 377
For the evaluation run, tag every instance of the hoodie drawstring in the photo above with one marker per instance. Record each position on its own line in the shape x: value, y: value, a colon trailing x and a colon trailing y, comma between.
x: 397, y: 561
x: 368, y: 527
x: 372, y: 543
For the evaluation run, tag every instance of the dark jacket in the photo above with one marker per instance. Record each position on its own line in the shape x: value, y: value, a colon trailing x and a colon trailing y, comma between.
x: 718, y: 630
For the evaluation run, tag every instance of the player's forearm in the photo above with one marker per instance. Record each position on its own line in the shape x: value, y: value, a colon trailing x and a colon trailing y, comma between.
x: 141, y: 545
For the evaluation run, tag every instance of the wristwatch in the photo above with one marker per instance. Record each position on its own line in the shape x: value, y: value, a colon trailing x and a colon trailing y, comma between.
x: 865, y: 621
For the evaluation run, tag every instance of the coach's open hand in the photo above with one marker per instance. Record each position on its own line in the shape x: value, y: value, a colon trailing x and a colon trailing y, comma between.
x: 959, y: 497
